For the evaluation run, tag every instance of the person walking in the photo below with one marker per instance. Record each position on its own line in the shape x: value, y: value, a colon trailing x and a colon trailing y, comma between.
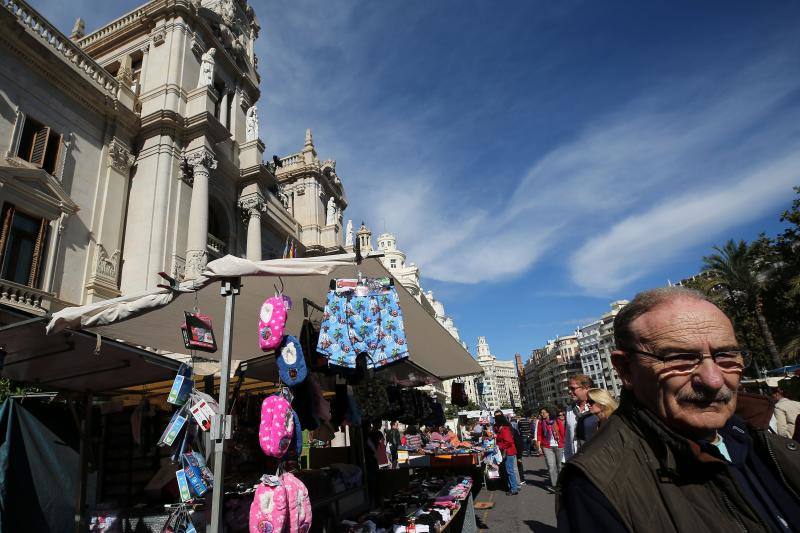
x: 786, y: 413
x: 581, y: 423
x: 393, y: 438
x: 524, y: 427
x: 505, y: 441
x: 518, y: 445
x: 552, y: 435
x: 602, y: 405
x: 686, y: 450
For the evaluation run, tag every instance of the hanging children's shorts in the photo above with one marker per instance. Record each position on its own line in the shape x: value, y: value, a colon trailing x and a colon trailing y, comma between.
x: 362, y: 319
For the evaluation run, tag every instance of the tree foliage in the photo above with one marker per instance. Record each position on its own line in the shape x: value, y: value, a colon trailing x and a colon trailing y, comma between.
x: 758, y: 285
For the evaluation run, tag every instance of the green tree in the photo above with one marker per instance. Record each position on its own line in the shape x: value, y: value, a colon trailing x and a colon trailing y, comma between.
x: 12, y: 388
x: 738, y: 275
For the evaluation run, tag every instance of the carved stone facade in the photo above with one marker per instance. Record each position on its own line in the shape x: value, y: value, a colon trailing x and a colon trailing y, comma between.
x: 126, y: 95
x: 107, y: 265
x: 315, y: 197
x: 252, y: 206
x: 120, y: 157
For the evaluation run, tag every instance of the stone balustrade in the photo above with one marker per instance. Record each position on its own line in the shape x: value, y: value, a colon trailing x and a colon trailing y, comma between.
x: 26, y: 298
x: 216, y: 246
x: 291, y: 160
x: 47, y: 33
x: 111, y: 27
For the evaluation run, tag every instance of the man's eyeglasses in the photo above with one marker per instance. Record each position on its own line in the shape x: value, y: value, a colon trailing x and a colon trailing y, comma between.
x: 576, y: 387
x: 730, y: 360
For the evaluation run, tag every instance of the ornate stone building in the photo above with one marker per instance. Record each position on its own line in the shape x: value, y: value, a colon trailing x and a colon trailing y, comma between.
x: 548, y: 369
x: 313, y: 193
x: 135, y: 149
x: 596, y: 342
x: 500, y: 380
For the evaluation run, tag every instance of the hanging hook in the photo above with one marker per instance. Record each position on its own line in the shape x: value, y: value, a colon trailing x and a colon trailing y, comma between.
x: 277, y: 291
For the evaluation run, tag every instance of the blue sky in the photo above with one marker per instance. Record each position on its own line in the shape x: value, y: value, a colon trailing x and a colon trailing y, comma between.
x: 540, y: 159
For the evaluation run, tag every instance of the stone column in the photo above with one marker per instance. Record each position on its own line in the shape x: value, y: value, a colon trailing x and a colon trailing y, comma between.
x: 202, y: 163
x: 252, y: 206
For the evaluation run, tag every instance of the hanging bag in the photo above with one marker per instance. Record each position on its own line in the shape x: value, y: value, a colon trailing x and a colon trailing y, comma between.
x: 269, y: 510
x: 458, y: 395
x: 276, y: 430
x: 298, y: 503
x: 198, y: 333
x: 291, y: 362
x: 272, y: 321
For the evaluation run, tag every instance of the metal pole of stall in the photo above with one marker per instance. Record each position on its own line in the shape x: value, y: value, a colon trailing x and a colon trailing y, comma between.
x: 221, y: 429
x: 81, y: 511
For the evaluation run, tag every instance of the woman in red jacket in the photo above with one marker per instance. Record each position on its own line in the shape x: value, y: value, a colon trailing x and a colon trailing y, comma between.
x: 551, y: 435
x: 505, y: 441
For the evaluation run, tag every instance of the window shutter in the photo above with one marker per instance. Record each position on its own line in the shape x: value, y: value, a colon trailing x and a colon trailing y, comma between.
x: 39, y: 147
x: 8, y: 217
x: 38, y: 249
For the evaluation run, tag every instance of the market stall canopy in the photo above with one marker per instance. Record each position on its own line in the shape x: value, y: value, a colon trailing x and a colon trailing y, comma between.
x: 74, y: 361
x: 152, y: 319
x: 771, y: 382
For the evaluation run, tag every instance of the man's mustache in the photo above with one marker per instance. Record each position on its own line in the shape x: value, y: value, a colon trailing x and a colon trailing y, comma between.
x: 723, y: 395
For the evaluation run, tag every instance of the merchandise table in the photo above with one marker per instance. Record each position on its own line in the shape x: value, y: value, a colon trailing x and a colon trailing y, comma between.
x: 433, y: 503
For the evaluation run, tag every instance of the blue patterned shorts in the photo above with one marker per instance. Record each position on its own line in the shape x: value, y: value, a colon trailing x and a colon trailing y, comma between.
x: 370, y: 323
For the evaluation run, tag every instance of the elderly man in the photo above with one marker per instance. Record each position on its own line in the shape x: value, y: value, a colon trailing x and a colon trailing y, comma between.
x: 786, y: 413
x: 674, y: 456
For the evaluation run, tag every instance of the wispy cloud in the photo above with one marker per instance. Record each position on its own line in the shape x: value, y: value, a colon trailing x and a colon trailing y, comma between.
x: 639, y: 242
x: 682, y: 141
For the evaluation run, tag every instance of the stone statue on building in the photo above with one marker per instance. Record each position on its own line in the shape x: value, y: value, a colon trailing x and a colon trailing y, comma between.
x: 207, y: 69
x: 348, y: 235
x: 251, y: 133
x: 78, y: 30
x: 331, y: 218
x: 283, y: 197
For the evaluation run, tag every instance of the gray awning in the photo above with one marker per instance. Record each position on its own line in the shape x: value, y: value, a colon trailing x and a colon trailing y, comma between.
x: 434, y: 353
x: 74, y: 360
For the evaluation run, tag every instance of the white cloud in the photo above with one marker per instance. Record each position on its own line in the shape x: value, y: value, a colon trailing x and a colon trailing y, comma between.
x: 641, y: 242
x: 653, y: 150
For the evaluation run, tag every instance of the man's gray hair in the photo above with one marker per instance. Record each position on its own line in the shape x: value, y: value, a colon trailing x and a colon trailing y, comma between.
x: 644, y: 302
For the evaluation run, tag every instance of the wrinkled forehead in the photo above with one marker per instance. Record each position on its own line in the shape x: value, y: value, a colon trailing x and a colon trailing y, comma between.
x: 688, y: 324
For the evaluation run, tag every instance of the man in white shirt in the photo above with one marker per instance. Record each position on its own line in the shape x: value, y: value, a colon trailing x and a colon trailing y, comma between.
x: 581, y: 424
x: 786, y: 413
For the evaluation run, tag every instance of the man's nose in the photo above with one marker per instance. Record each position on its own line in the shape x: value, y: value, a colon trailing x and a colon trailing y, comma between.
x: 709, y: 375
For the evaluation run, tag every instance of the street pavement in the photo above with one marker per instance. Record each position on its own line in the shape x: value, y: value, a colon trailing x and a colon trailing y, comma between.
x: 533, y: 509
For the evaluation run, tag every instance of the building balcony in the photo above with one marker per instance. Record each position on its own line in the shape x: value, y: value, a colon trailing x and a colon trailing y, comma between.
x: 26, y: 298
x: 215, y: 246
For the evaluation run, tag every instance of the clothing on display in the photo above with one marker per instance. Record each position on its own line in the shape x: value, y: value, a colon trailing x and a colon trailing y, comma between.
x: 428, y: 503
x: 360, y: 318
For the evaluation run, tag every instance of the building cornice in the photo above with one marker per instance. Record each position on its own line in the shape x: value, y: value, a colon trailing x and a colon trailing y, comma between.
x: 36, y: 41
x: 143, y: 21
x: 314, y: 169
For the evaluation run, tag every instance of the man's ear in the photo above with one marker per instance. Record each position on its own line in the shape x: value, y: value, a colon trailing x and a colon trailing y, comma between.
x: 621, y: 363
